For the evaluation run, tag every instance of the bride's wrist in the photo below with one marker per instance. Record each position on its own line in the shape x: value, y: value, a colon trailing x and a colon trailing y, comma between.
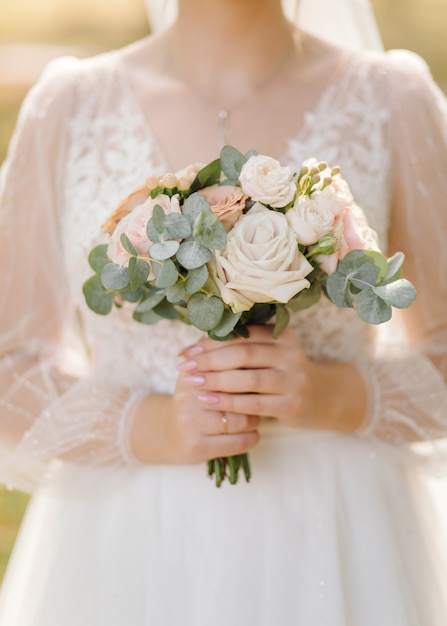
x: 148, y: 430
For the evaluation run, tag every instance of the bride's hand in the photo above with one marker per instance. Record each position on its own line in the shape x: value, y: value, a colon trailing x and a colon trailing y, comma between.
x: 181, y: 429
x: 273, y: 377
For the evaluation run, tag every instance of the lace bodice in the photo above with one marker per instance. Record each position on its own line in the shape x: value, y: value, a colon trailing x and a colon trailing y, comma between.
x: 82, y: 144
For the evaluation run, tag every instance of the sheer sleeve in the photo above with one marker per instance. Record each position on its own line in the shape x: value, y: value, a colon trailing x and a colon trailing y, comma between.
x: 408, y: 376
x: 45, y: 414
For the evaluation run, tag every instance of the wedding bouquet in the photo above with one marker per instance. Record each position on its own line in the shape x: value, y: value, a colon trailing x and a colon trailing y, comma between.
x: 240, y: 241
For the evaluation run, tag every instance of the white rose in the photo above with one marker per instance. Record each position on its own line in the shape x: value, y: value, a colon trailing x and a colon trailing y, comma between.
x: 265, y: 180
x: 311, y: 218
x: 314, y: 216
x: 261, y: 262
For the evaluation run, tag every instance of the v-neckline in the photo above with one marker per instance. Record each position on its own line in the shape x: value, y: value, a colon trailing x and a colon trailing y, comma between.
x: 310, y: 117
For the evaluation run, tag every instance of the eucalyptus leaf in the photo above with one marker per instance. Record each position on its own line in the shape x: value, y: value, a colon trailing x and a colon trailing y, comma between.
x: 196, y: 279
x: 400, y: 293
x: 98, y: 258
x: 166, y: 274
x: 147, y: 318
x: 281, y: 320
x: 98, y: 299
x: 152, y: 233
x: 158, y: 219
x: 177, y: 292
x: 128, y: 245
x: 131, y: 295
x: 205, y: 312
x: 177, y: 226
x: 209, y: 231
x: 305, y: 298
x: 336, y: 287
x: 153, y: 299
x: 260, y: 313
x: 226, y: 324
x: 394, y: 270
x: 164, y: 250
x: 232, y: 162
x: 193, y: 206
x: 192, y: 255
x: 115, y: 277
x: 371, y: 308
x: 138, y: 273
x: 166, y: 310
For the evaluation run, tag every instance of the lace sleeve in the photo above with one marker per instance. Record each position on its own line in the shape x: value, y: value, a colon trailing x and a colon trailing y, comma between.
x: 44, y: 413
x: 408, y: 376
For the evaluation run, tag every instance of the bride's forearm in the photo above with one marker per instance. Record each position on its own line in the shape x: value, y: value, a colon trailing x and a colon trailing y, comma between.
x: 150, y: 436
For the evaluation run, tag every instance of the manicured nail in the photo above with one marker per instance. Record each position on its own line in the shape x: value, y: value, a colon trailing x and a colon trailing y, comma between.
x: 193, y: 350
x: 209, y: 398
x: 194, y: 380
x: 187, y: 366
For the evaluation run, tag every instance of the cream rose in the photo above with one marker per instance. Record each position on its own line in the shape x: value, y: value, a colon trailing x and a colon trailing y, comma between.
x: 134, y: 225
x: 265, y: 180
x: 261, y: 262
x: 226, y: 201
x: 315, y: 216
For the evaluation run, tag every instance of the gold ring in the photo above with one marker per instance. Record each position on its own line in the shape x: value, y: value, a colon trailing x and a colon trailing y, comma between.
x: 224, y: 420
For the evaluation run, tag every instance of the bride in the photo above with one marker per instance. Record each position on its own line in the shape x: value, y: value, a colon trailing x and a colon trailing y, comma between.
x: 109, y: 422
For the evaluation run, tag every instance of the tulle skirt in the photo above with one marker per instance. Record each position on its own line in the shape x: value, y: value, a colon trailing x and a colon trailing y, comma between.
x: 331, y: 531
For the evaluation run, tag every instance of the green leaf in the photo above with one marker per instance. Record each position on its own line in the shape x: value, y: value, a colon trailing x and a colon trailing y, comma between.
x: 177, y: 292
x: 281, y: 320
x: 138, y: 273
x: 394, y: 271
x: 226, y: 324
x: 177, y: 226
x: 336, y: 288
x: 158, y: 219
x: 400, y: 293
x: 209, y: 231
x: 164, y: 250
x: 147, y: 318
x: 251, y: 153
x: 115, y: 277
x: 371, y: 308
x: 260, y: 313
x: 98, y: 299
x: 193, y: 206
x: 232, y: 161
x: 192, y: 255
x: 166, y: 310
x: 207, y: 176
x: 205, y: 312
x: 166, y: 274
x: 152, y: 233
x: 132, y: 296
x: 128, y: 245
x: 196, y: 279
x: 98, y: 258
x: 153, y: 299
x: 305, y: 298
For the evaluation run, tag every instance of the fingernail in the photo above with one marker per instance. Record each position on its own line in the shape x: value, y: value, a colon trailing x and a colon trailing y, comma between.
x: 193, y: 350
x: 187, y: 366
x: 194, y: 380
x: 209, y: 398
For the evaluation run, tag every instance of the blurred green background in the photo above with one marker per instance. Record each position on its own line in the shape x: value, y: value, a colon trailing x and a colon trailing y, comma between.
x: 33, y: 31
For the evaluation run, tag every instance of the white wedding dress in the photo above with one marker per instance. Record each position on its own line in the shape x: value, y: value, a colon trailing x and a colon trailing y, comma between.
x: 333, y: 530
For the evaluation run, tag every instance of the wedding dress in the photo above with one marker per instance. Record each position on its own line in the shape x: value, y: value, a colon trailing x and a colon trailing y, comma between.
x: 333, y: 530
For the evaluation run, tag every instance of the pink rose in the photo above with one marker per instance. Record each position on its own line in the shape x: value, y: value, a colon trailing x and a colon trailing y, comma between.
x: 134, y: 225
x: 353, y: 233
x: 226, y: 201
